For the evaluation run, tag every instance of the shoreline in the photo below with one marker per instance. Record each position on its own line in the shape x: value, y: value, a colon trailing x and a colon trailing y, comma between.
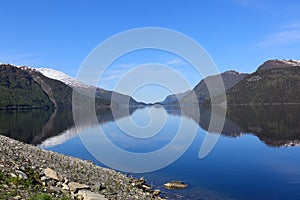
x: 27, y: 171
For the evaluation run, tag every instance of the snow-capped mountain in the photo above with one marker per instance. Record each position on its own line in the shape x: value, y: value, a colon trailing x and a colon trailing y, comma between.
x: 292, y: 62
x: 60, y: 76
x: 272, y: 64
x: 74, y: 83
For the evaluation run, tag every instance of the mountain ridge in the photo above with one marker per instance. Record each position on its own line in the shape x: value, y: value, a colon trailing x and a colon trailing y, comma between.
x: 230, y: 78
x: 275, y: 64
x: 24, y: 87
x: 74, y: 83
x: 274, y: 82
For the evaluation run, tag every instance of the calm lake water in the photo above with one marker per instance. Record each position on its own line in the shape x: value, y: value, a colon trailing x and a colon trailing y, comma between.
x: 257, y: 155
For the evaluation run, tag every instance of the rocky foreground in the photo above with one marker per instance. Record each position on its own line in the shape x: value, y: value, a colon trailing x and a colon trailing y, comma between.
x: 27, y: 172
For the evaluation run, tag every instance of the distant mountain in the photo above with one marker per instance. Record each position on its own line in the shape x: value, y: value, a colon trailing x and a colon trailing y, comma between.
x: 274, y: 82
x: 230, y: 78
x: 174, y: 98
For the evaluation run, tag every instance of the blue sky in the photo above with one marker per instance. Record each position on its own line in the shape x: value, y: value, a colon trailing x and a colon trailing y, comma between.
x: 238, y: 34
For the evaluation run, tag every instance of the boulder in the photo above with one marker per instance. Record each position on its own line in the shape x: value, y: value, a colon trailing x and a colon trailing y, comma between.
x: 176, y: 185
x: 156, y: 192
x: 88, y: 195
x: 146, y: 188
x: 139, y: 182
x: 50, y: 173
x: 74, y: 186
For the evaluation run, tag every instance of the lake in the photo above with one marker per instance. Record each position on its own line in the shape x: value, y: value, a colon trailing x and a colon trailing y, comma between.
x: 257, y: 154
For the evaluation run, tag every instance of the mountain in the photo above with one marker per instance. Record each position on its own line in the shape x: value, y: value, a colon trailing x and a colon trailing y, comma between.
x: 274, y: 82
x: 174, y: 98
x: 230, y: 78
x: 60, y: 76
x: 278, y: 64
x: 25, y: 87
x: 118, y: 98
x: 22, y: 87
x: 18, y: 89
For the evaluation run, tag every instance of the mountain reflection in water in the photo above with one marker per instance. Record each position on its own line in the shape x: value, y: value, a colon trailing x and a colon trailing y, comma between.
x: 274, y: 125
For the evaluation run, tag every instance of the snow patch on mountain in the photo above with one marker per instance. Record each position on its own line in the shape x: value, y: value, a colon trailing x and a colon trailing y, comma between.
x: 231, y: 72
x: 60, y: 76
x: 291, y: 62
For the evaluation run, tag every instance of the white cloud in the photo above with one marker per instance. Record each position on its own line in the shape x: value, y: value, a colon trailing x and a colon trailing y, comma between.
x: 125, y: 65
x: 174, y: 61
x: 112, y: 77
x: 289, y: 34
x: 292, y: 25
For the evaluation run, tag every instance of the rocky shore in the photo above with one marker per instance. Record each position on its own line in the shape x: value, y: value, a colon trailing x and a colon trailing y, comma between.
x: 28, y: 172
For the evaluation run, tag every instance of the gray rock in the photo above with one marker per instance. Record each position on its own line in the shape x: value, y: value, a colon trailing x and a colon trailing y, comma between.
x: 59, y: 184
x: 175, y: 184
x: 65, y: 187
x: 55, y: 189
x: 43, y: 178
x: 74, y: 186
x: 156, y: 192
x: 79, y: 197
x: 139, y: 183
x: 72, y: 195
x: 50, y: 173
x: 146, y: 187
x: 88, y: 195
x: 21, y: 174
x: 66, y: 181
x: 50, y: 182
x: 17, y: 197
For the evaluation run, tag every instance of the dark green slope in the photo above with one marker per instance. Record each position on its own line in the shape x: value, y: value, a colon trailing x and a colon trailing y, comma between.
x: 268, y: 86
x: 59, y: 93
x: 19, y: 90
x: 23, y: 87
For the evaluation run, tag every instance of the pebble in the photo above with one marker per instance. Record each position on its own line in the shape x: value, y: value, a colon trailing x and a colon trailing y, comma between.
x: 43, y: 178
x: 65, y: 187
x: 21, y: 174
